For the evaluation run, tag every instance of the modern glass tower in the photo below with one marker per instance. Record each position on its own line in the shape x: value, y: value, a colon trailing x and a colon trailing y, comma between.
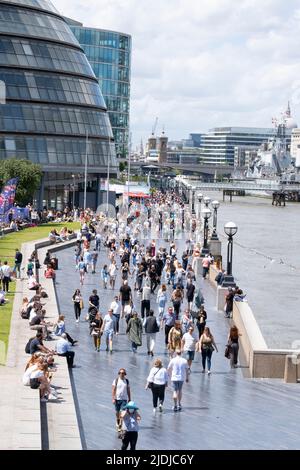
x: 54, y: 113
x: 109, y: 54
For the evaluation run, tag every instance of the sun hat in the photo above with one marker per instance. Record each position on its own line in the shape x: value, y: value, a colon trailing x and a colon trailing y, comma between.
x: 132, y: 405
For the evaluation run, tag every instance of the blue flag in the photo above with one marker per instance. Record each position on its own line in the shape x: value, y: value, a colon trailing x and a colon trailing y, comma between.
x: 7, y: 196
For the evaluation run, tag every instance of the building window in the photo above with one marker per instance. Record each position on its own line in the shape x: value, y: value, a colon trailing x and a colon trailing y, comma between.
x: 27, y: 49
x: 10, y: 145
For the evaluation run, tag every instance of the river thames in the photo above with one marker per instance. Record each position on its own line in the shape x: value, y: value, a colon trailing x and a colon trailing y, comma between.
x: 266, y: 262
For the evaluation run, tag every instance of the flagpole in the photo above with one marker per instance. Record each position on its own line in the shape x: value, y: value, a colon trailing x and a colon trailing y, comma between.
x: 128, y: 182
x: 108, y: 169
x: 85, y: 170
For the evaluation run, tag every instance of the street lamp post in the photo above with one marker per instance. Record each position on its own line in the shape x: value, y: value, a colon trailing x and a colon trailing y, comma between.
x: 108, y: 171
x: 206, y: 214
x: 215, y: 205
x: 200, y: 199
x: 73, y: 201
x: 206, y: 201
x: 230, y: 229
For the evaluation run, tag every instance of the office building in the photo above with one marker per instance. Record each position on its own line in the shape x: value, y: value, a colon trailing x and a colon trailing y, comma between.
x: 109, y: 54
x: 55, y: 114
x: 217, y: 146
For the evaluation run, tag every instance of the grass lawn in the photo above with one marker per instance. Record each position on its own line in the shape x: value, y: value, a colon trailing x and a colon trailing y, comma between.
x: 8, y: 245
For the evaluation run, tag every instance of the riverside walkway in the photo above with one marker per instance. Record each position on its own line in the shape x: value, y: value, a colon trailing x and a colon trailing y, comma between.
x: 223, y: 411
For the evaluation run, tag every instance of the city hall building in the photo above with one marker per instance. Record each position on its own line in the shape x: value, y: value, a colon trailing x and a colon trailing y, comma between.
x: 54, y: 113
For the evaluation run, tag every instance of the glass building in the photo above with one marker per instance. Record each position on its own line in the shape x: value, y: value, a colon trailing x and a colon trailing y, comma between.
x: 218, y: 145
x: 109, y: 54
x: 54, y: 113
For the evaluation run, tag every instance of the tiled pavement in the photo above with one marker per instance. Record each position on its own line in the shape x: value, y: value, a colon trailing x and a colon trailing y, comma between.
x: 223, y: 411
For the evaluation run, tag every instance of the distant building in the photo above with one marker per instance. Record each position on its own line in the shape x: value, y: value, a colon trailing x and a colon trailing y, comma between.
x: 183, y: 156
x: 109, y: 54
x: 157, y: 148
x: 193, y: 141
x: 217, y: 146
x: 295, y: 143
x: 243, y: 155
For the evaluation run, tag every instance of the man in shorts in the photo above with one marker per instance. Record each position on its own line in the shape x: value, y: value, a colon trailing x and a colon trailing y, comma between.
x: 188, y: 346
x: 120, y: 395
x: 178, y: 369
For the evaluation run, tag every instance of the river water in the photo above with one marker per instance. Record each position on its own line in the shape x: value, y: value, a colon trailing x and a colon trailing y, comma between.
x: 266, y: 262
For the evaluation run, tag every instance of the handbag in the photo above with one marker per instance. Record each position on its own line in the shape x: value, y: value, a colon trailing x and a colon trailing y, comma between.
x: 81, y: 304
x: 227, y: 351
x: 150, y: 384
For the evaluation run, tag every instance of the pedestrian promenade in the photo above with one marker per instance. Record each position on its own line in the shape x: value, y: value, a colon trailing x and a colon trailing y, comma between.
x: 223, y: 411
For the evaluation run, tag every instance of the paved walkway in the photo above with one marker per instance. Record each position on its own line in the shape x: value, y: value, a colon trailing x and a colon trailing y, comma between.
x: 223, y: 411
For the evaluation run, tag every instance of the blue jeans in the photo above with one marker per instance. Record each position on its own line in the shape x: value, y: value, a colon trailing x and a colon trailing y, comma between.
x: 206, y: 354
x: 133, y: 346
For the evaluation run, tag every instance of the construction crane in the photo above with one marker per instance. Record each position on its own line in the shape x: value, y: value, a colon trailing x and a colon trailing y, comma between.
x: 154, y: 126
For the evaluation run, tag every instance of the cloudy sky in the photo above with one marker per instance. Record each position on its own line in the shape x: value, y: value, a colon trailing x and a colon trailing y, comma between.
x: 197, y: 64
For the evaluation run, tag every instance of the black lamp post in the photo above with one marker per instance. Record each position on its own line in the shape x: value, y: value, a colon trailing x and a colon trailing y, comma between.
x: 206, y: 214
x: 200, y: 198
x: 230, y: 229
x: 193, y: 199
x: 215, y: 205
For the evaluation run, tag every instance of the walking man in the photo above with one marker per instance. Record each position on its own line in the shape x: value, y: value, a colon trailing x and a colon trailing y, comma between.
x: 108, y: 329
x: 18, y: 262
x: 178, y: 369
x: 151, y: 328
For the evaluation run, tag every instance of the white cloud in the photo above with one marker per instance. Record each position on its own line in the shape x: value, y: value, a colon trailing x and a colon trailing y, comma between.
x: 205, y: 63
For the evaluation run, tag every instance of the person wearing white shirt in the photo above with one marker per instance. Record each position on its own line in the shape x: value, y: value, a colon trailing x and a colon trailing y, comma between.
x: 116, y: 308
x: 6, y: 272
x: 157, y: 381
x: 188, y: 345
x: 178, y: 369
x: 108, y: 329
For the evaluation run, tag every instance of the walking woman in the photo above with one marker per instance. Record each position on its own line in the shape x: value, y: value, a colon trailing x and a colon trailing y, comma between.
x: 161, y: 300
x: 177, y: 298
x: 78, y: 304
x: 104, y: 276
x: 135, y: 331
x: 207, y: 346
x: 233, y: 343
x: 82, y: 270
x: 130, y: 425
x: 96, y: 333
x: 157, y: 381
x: 174, y: 339
x: 201, y: 320
x: 112, y: 270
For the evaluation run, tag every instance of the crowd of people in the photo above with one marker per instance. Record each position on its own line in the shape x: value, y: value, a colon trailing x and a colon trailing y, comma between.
x: 159, y: 294
x: 152, y: 272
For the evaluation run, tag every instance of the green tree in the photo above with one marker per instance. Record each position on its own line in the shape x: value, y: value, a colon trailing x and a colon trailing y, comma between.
x: 29, y: 175
x: 122, y: 166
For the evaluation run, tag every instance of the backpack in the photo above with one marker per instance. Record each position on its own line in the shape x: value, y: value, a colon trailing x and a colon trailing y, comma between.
x: 27, y: 347
x: 25, y: 314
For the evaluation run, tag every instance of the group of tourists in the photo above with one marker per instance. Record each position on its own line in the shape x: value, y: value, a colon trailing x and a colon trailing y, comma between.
x: 155, y: 290
x: 152, y: 271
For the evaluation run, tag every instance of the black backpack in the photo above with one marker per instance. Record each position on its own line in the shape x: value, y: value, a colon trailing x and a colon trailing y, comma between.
x: 25, y: 314
x: 27, y: 347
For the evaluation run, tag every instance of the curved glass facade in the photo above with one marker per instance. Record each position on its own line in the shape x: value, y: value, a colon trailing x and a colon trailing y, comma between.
x: 109, y: 54
x: 33, y: 53
x: 54, y: 112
